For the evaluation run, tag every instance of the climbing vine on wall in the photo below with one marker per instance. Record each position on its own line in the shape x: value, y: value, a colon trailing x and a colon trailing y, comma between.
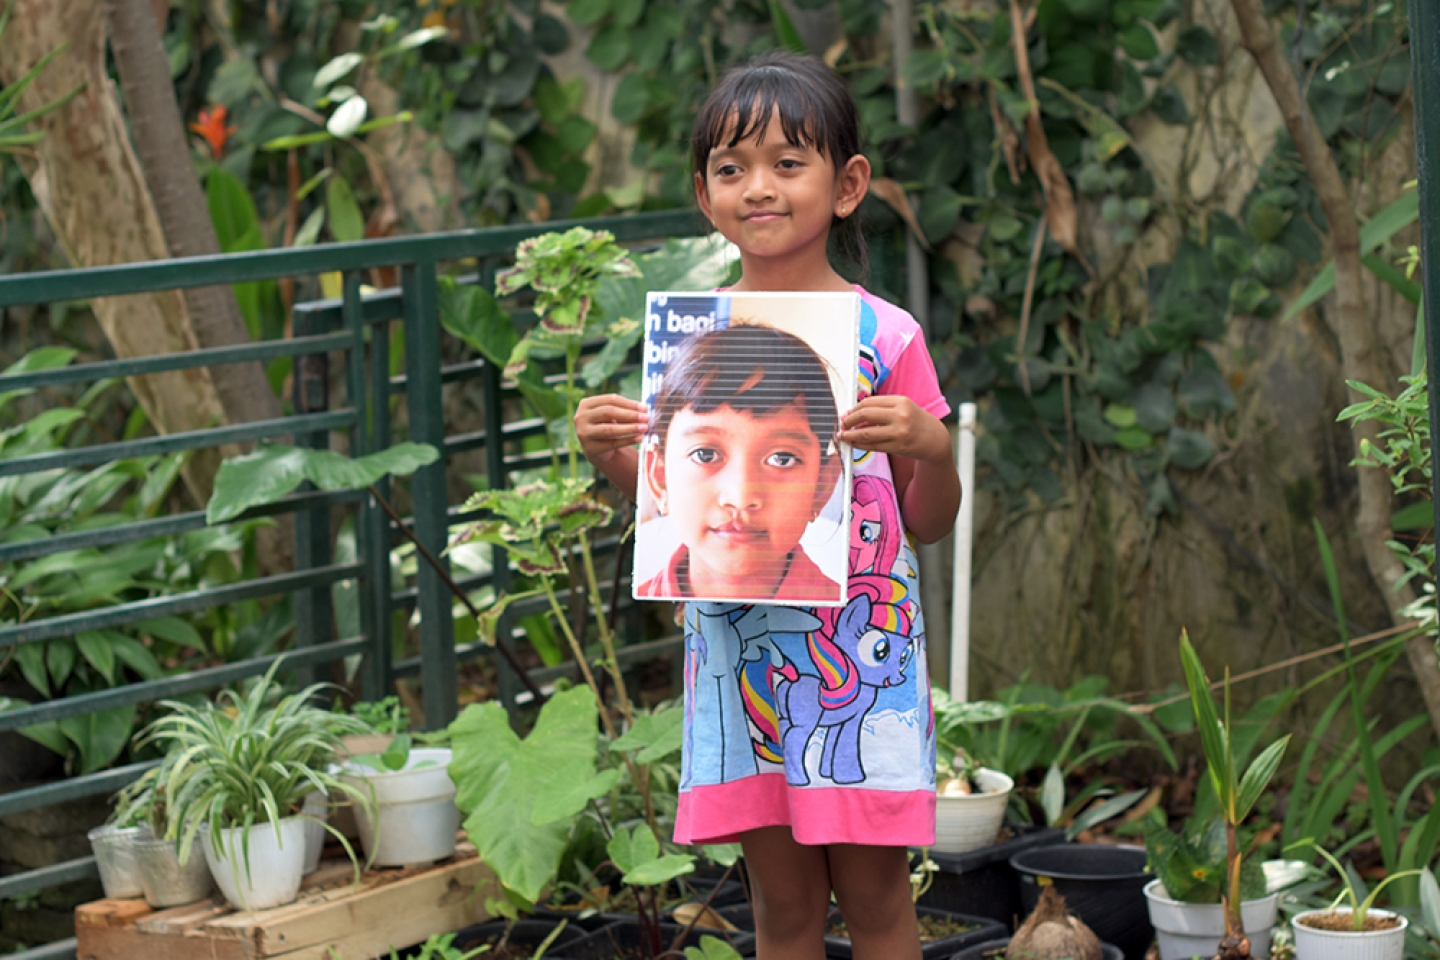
x: 1093, y: 330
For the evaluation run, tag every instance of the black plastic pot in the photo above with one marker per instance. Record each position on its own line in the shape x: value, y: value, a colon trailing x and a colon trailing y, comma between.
x: 525, y: 936
x: 1102, y: 885
x: 982, y: 883
x: 621, y: 941
x: 838, y: 948
x: 993, y: 949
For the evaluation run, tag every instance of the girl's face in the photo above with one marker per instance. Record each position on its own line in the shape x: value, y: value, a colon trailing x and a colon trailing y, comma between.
x: 773, y: 198
x: 740, y: 490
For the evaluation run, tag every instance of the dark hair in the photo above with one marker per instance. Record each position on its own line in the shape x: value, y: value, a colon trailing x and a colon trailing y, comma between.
x: 711, y: 371
x: 815, y: 109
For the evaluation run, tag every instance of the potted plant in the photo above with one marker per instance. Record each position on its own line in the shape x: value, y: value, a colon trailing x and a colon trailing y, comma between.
x: 1357, y: 932
x: 970, y: 802
x: 114, y: 847
x: 1184, y: 899
x: 414, y: 819
x: 165, y: 879
x: 1229, y: 884
x: 239, y: 776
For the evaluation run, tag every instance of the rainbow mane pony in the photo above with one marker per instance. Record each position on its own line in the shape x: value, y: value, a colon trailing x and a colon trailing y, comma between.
x: 839, y: 679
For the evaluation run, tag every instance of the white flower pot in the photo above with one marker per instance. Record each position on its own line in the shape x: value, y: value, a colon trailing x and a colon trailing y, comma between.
x: 968, y: 823
x: 317, y: 811
x: 1195, y: 929
x: 1312, y: 943
x: 417, y: 819
x: 274, y: 866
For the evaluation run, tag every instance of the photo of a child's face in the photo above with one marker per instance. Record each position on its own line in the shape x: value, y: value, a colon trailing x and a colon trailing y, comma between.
x: 747, y: 486
x: 744, y: 491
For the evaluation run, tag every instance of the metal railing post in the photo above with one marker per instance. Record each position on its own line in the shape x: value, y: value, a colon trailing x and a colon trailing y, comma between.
x: 1425, y: 64
x: 313, y: 612
x: 428, y: 491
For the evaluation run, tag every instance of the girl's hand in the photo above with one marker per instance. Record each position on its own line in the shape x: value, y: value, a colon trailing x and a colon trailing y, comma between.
x: 896, y: 424
x: 608, y: 423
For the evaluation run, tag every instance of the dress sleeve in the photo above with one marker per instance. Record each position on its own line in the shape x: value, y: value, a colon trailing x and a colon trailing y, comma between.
x: 912, y: 374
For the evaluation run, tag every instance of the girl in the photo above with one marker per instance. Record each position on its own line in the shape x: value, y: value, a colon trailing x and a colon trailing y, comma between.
x: 809, y: 734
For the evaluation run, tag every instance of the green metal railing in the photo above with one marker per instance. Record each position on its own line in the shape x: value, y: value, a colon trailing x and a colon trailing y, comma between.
x: 356, y: 329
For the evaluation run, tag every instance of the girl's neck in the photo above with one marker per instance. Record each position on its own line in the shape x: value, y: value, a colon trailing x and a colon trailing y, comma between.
x: 776, y: 274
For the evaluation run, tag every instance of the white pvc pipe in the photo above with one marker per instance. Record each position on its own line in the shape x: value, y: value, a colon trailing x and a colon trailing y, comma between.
x: 964, y: 533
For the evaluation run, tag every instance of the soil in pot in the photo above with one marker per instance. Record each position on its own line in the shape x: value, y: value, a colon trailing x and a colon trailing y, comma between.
x: 941, y: 933
x: 1344, y: 923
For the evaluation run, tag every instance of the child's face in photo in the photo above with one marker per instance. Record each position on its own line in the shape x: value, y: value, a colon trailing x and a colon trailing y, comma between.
x: 740, y: 489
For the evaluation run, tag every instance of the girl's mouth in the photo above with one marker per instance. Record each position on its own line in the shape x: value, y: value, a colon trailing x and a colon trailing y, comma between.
x: 738, y: 532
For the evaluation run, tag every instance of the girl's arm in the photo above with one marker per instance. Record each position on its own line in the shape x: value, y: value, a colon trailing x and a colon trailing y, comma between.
x: 922, y: 462
x: 608, y: 427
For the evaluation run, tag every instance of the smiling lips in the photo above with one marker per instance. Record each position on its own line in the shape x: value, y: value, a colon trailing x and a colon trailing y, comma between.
x: 764, y: 216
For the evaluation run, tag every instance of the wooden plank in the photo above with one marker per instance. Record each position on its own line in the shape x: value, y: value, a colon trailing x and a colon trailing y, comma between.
x: 332, y: 920
x: 400, y: 913
x: 111, y: 913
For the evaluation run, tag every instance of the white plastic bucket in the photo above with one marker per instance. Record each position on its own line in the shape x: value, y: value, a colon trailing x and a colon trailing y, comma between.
x: 1312, y: 943
x: 1187, y: 930
x: 418, y: 818
x: 968, y: 823
x: 317, y: 811
x: 275, y: 867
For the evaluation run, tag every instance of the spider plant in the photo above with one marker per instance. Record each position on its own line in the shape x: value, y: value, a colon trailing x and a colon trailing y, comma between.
x: 246, y: 759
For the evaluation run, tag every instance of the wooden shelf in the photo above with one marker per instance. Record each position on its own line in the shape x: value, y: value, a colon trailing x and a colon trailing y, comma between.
x: 334, y: 919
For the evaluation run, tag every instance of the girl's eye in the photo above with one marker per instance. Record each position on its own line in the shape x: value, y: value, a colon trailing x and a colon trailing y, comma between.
x: 705, y: 456
x: 790, y: 164
x: 782, y: 460
x: 726, y: 170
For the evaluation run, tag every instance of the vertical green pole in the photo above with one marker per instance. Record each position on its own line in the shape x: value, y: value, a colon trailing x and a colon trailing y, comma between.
x: 495, y: 474
x: 428, y: 491
x: 1425, y: 62
x: 375, y: 676
x: 313, y: 614
x: 377, y: 523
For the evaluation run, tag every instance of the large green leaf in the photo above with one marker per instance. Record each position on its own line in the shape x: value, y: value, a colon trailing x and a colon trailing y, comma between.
x: 1397, y: 216
x: 1257, y: 777
x: 637, y: 853
x: 501, y: 779
x: 99, y: 736
x: 231, y: 208
x: 655, y: 735
x: 1214, y: 738
x: 271, y: 471
x: 474, y: 315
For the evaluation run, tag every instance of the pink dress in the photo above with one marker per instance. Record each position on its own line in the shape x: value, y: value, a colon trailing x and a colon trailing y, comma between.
x: 820, y: 718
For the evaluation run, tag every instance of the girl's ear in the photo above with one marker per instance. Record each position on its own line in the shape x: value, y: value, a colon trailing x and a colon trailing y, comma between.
x: 655, y: 477
x: 702, y: 197
x: 852, y: 183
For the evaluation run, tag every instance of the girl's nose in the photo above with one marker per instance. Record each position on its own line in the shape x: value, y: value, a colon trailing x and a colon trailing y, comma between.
x: 759, y: 186
x: 739, y: 490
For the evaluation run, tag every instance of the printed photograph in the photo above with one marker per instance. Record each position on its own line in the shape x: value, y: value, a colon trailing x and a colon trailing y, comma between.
x: 744, y: 493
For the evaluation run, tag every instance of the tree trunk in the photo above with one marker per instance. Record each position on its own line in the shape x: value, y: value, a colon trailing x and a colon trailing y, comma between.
x: 183, y: 210
x: 89, y: 186
x: 1359, y: 348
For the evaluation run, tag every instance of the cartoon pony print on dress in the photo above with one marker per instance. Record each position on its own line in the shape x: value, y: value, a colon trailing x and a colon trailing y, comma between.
x: 875, y: 534
x: 868, y: 379
x: 857, y: 650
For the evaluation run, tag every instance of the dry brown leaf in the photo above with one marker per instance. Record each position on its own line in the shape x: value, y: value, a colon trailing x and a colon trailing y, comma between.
x: 1059, y: 199
x: 701, y: 916
x: 1009, y: 142
x: 893, y: 194
x: 836, y: 51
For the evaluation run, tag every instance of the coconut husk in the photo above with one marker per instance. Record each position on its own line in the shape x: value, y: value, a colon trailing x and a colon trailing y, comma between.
x: 1344, y: 921
x: 1051, y: 933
